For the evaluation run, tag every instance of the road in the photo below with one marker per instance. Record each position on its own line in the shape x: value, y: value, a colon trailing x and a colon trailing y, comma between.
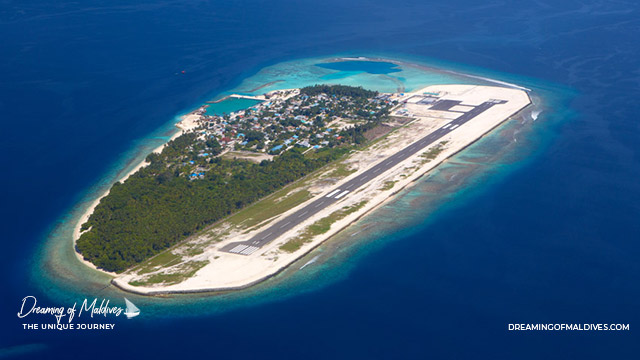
x: 276, y: 230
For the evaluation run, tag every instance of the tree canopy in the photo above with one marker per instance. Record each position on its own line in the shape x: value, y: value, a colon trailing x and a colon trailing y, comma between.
x: 150, y: 212
x: 187, y: 187
x: 338, y: 90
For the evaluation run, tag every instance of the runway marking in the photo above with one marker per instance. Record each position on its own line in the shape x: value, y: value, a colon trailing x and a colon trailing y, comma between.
x: 364, y: 177
x: 342, y: 194
x: 238, y: 248
x: 249, y: 250
x: 283, y: 225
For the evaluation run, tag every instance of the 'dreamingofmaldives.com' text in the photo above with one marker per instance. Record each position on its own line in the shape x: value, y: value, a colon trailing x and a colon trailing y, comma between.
x: 568, y: 327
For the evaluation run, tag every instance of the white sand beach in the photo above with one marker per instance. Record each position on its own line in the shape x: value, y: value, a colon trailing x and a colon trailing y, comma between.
x: 226, y: 271
x: 187, y: 122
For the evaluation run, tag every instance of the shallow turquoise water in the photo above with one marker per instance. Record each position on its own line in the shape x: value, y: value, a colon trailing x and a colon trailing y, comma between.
x: 371, y: 67
x: 67, y: 279
x: 230, y: 105
x: 543, y: 227
x: 305, y: 72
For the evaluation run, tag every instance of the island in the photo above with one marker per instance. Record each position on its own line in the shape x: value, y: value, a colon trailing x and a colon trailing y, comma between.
x: 234, y: 199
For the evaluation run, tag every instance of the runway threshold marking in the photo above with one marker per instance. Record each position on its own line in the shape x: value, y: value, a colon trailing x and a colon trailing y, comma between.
x: 238, y: 248
x: 244, y: 249
x: 342, y: 194
x: 249, y: 250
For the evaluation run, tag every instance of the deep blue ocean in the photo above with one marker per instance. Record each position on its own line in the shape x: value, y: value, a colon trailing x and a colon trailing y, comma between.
x: 551, y: 235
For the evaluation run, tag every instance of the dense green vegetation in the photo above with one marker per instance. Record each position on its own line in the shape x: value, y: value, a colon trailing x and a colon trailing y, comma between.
x: 155, y: 208
x: 187, y: 186
x: 338, y: 90
x: 355, y: 134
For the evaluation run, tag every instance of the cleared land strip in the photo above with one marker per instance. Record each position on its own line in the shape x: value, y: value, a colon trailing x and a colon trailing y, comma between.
x: 199, y: 265
x: 291, y: 221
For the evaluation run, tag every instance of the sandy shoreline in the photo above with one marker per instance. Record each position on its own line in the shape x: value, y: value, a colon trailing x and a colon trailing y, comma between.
x: 232, y: 272
x: 187, y: 122
x: 239, y: 273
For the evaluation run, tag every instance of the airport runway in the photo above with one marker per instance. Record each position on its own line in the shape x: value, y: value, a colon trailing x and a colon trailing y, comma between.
x: 274, y: 231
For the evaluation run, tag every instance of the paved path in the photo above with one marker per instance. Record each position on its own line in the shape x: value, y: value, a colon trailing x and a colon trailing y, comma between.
x: 274, y: 231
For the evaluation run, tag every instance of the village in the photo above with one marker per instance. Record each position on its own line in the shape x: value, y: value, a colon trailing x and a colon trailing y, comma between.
x: 284, y: 120
x: 262, y: 235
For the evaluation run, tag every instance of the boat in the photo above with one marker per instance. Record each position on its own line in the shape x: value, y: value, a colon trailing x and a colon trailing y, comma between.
x: 132, y: 310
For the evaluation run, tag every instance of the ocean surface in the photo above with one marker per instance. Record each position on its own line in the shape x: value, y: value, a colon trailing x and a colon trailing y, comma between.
x: 537, y: 223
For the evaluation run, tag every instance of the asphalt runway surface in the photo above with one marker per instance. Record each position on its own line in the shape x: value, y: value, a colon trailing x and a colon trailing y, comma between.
x: 276, y: 230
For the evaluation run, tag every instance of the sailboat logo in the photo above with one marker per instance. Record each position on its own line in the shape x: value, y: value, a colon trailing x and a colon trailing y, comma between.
x: 132, y: 310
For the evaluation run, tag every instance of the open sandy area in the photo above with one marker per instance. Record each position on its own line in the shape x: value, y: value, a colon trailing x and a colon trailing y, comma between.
x: 225, y: 271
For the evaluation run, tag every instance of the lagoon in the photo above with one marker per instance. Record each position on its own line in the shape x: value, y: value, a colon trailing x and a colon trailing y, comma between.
x: 544, y: 230
x: 229, y: 105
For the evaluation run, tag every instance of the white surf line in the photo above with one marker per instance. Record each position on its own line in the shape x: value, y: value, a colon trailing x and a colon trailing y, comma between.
x: 407, y: 63
x: 499, y: 82
x: 333, y: 193
x: 238, y: 96
x: 342, y: 194
x: 535, y: 114
x: 310, y: 262
x: 351, y: 58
